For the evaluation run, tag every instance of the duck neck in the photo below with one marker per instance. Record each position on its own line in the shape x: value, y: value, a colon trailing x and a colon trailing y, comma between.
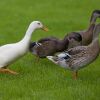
x: 96, y: 32
x: 28, y: 34
x: 65, y: 40
x: 93, y: 19
x: 94, y: 44
x: 91, y: 28
x: 89, y: 32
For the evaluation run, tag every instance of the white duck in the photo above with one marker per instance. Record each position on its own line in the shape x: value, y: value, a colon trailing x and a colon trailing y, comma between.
x: 11, y: 52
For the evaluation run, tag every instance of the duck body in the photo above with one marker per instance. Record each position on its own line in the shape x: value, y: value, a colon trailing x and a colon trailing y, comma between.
x: 54, y: 44
x: 48, y: 47
x: 11, y: 52
x: 51, y: 45
x: 80, y: 56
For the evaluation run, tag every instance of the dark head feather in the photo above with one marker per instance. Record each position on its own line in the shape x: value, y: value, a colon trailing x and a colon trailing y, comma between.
x: 32, y: 45
x: 94, y: 16
x: 76, y: 36
x: 96, y: 11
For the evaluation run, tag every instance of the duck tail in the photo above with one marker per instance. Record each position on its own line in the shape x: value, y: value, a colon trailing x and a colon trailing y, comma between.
x: 51, y: 58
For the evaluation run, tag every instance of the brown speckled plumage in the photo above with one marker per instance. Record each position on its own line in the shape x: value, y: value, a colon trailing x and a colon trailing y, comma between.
x: 80, y: 56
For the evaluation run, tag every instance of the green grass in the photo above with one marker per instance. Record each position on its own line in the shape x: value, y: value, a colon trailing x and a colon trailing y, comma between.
x: 43, y: 80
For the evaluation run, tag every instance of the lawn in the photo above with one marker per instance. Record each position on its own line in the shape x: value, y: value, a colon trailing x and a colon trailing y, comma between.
x: 43, y: 80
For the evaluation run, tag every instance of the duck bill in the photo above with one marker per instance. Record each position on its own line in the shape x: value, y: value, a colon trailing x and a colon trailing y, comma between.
x: 45, y: 29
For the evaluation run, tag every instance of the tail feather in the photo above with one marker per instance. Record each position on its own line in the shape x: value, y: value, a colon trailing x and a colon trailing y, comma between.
x: 51, y: 58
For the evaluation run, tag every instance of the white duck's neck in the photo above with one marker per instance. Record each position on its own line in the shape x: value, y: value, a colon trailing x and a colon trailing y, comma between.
x: 27, y: 37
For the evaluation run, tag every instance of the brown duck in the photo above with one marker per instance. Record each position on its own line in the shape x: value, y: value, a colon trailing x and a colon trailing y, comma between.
x: 49, y: 46
x: 80, y: 56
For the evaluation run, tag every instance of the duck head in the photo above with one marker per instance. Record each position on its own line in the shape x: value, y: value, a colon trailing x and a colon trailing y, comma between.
x: 74, y: 39
x: 76, y: 36
x: 94, y: 16
x: 38, y: 49
x: 33, y: 47
x: 96, y: 13
x: 37, y: 25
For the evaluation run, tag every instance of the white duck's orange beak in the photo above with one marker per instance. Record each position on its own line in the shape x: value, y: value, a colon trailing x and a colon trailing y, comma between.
x: 45, y: 29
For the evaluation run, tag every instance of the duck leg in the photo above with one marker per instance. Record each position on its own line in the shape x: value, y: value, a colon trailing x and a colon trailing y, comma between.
x: 6, y: 70
x: 75, y: 74
x: 37, y: 59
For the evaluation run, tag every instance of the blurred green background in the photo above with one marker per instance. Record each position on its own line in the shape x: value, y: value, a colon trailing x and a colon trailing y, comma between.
x: 43, y: 80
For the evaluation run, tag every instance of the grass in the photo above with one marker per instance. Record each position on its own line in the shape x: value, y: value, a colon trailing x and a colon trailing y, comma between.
x: 43, y: 80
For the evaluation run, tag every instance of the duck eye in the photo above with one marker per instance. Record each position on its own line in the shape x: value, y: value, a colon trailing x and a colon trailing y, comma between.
x: 38, y: 23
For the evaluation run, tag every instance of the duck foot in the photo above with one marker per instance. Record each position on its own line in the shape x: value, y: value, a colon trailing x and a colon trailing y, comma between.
x: 75, y: 74
x: 3, y: 70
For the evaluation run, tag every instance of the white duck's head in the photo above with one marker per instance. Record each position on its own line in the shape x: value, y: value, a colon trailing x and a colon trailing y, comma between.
x: 37, y: 25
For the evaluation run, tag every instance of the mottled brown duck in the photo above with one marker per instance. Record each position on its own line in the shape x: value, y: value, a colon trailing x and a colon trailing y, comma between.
x: 80, y: 56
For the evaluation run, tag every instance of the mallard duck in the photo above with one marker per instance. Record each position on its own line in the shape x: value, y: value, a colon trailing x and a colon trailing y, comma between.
x: 51, y: 45
x: 80, y: 56
x: 11, y: 52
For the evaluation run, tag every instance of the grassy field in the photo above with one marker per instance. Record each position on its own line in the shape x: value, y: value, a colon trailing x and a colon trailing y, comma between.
x: 43, y: 80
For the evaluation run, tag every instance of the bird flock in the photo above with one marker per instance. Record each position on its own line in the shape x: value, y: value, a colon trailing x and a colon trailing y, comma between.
x: 75, y: 51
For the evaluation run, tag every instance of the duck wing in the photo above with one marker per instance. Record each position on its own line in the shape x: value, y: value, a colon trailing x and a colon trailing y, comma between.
x: 76, y: 50
x: 79, y: 60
